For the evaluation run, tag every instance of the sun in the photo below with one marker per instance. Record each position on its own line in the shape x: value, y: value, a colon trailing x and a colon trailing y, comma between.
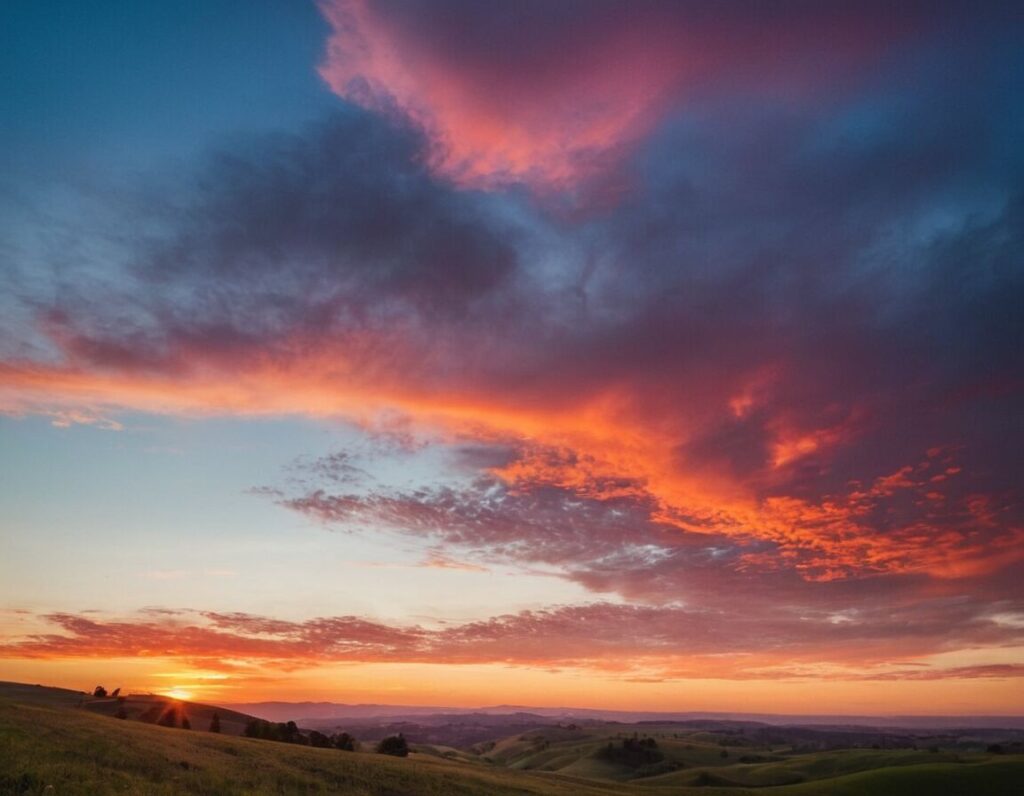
x: 179, y: 693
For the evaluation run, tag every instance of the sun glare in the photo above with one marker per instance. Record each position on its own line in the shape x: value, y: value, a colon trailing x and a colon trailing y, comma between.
x: 179, y: 693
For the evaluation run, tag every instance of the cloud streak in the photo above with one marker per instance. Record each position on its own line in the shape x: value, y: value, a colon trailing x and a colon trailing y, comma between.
x: 603, y: 637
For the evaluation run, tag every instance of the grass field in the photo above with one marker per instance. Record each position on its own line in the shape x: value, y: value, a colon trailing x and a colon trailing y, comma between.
x: 76, y: 752
x: 49, y: 744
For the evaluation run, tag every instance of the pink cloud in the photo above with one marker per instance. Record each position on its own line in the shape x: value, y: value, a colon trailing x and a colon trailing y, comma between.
x: 625, y: 639
x: 557, y: 97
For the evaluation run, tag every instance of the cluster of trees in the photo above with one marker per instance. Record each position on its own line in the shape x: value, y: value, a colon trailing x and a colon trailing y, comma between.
x: 284, y: 732
x: 170, y: 716
x: 633, y: 752
x: 288, y: 732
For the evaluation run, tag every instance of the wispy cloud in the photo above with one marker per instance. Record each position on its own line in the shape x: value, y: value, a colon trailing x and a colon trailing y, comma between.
x: 671, y: 642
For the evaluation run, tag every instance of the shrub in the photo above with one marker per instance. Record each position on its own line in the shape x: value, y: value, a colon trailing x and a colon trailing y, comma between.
x: 345, y: 742
x: 319, y: 740
x: 99, y: 691
x: 394, y: 745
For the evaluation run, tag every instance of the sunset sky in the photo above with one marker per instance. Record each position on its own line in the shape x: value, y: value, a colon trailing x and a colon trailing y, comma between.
x: 641, y: 355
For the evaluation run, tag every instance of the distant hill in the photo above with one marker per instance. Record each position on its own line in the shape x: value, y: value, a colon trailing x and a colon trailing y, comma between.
x: 56, y: 741
x: 284, y: 711
x: 47, y: 746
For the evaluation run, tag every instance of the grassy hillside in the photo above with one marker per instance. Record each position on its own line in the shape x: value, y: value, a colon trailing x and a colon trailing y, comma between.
x: 55, y: 742
x: 77, y: 752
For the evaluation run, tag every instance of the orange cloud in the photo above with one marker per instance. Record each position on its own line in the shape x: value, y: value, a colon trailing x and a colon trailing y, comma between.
x: 667, y: 642
x: 602, y: 449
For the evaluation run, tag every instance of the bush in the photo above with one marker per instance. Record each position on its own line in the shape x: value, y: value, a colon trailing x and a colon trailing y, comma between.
x: 345, y: 742
x: 100, y: 692
x: 319, y: 740
x: 394, y: 745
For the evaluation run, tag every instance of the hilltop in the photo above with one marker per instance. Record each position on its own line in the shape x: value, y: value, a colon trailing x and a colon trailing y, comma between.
x: 283, y: 711
x: 70, y: 741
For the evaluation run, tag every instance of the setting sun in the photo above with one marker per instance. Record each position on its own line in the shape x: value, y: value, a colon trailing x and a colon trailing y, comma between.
x: 179, y: 693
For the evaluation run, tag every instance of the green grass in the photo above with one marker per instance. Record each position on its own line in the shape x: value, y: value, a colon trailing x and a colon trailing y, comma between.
x: 76, y: 752
x: 990, y: 777
x: 54, y: 742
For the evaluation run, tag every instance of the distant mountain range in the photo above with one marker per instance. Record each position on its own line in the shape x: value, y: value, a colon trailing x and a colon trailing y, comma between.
x: 284, y: 711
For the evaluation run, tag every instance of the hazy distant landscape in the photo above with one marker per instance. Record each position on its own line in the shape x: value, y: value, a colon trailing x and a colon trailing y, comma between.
x: 62, y: 741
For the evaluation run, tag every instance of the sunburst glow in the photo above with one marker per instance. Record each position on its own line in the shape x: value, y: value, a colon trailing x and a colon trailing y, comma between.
x: 179, y: 693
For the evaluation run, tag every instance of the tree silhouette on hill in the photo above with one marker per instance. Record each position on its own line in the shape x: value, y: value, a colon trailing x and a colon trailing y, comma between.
x: 318, y: 740
x: 394, y: 745
x: 345, y: 742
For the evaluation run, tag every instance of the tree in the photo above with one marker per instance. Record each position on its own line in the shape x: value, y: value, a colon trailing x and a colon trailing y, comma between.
x: 116, y: 692
x: 319, y: 740
x: 215, y: 723
x: 394, y: 745
x: 100, y: 692
x: 185, y: 723
x: 345, y: 742
x: 168, y: 718
x: 289, y: 733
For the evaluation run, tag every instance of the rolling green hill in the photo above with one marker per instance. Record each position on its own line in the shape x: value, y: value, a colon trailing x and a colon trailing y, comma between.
x: 73, y: 751
x: 54, y: 741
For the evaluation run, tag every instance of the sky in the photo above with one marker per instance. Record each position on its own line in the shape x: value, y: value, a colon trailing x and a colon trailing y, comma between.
x: 632, y: 355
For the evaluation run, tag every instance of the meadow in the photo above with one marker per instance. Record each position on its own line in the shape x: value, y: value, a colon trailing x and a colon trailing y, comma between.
x: 50, y: 744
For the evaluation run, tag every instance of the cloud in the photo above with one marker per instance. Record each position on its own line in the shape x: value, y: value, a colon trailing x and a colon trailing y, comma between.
x: 786, y: 370
x: 555, y: 97
x: 614, y: 534
x: 603, y: 637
